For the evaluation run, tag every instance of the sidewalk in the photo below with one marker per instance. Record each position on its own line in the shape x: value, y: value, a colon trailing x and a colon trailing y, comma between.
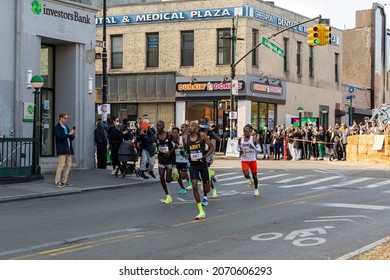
x: 82, y: 179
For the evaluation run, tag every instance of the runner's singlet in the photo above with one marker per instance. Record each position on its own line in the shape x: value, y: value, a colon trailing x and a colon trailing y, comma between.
x: 249, y: 154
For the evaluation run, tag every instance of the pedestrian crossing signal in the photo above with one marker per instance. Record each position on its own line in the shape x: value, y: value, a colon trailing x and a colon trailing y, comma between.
x: 313, y: 36
x: 222, y: 105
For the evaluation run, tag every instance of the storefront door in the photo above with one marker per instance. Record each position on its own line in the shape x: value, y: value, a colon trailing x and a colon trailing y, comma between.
x: 47, y: 101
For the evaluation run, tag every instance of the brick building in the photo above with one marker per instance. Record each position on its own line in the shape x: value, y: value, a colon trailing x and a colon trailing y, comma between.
x: 167, y: 59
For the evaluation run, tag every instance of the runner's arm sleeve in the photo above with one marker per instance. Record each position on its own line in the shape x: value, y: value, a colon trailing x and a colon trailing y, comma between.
x: 258, y: 148
x: 238, y: 148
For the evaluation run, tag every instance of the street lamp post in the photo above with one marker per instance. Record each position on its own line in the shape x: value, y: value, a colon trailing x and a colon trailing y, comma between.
x: 324, y: 111
x: 37, y: 83
x: 300, y: 111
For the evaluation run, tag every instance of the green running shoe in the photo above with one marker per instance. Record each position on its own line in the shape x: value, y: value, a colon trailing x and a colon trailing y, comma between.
x: 167, y: 200
x: 201, y: 216
x: 214, y: 193
x: 182, y: 191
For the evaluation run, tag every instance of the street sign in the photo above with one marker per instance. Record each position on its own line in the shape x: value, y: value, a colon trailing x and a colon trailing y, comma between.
x: 351, y: 89
x: 276, y: 49
x: 351, y: 97
x: 234, y: 87
x: 232, y: 115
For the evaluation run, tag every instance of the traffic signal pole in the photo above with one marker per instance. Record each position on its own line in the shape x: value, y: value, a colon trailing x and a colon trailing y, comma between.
x: 272, y: 36
x: 234, y: 64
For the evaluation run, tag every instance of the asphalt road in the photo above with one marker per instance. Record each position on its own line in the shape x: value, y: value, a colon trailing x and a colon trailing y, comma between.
x: 305, y: 213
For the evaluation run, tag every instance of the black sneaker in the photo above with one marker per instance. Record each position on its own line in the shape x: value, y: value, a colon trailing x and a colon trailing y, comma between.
x: 142, y: 175
x: 67, y: 184
x: 152, y: 174
x: 59, y: 185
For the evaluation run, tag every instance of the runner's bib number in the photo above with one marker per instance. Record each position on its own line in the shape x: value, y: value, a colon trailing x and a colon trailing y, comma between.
x: 163, y: 149
x: 196, y: 155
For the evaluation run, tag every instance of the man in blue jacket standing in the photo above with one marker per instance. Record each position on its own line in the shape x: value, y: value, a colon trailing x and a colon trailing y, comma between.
x: 64, y: 137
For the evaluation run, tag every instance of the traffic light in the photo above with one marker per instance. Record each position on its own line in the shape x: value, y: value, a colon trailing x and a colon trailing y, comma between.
x: 325, y: 35
x: 313, y: 36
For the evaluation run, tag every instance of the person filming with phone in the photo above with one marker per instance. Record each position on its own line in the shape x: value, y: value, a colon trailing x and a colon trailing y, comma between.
x: 64, y: 137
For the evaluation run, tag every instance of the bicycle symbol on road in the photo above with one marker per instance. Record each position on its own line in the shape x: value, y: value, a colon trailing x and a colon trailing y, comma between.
x: 302, y: 237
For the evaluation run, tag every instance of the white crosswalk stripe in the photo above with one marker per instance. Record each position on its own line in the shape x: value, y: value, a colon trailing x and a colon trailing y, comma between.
x: 273, y: 176
x: 291, y: 179
x: 376, y: 185
x: 311, y: 182
x: 231, y: 178
x: 226, y: 174
x: 348, y: 183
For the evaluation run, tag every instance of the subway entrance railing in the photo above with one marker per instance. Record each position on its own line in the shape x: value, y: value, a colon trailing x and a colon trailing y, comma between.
x: 16, y: 157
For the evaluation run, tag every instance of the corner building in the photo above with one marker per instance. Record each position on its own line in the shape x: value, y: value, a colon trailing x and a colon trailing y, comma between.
x: 168, y: 59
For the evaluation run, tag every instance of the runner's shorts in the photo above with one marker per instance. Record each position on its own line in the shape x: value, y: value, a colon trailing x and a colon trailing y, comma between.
x: 252, y: 165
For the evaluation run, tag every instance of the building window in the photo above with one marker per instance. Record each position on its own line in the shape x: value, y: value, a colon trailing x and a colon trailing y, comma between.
x: 255, y: 53
x: 299, y: 70
x: 224, y: 47
x: 336, y: 67
x: 116, y: 52
x: 285, y: 57
x: 152, y: 48
x: 311, y: 62
x: 187, y: 48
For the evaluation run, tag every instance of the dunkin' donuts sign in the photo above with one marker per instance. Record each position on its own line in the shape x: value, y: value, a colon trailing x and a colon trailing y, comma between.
x: 207, y: 86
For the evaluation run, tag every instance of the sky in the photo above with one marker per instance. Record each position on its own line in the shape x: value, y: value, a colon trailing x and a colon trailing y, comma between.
x: 341, y: 16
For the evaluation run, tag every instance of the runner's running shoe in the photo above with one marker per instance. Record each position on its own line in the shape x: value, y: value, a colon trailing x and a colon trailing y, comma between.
x: 214, y: 193
x: 256, y: 193
x: 205, y: 201
x: 182, y: 191
x: 201, y: 216
x: 189, y: 185
x: 251, y: 182
x: 168, y: 199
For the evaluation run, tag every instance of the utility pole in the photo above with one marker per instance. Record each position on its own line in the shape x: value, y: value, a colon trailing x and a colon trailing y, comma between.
x: 104, y: 60
x: 233, y: 75
x: 233, y: 84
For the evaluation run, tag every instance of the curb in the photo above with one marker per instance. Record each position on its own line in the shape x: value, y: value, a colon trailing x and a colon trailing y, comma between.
x: 64, y: 192
x: 364, y: 249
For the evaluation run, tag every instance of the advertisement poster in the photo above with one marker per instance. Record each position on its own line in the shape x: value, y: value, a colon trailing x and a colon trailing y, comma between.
x: 28, y: 112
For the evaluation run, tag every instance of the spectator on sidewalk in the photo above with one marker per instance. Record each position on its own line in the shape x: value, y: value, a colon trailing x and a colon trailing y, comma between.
x: 101, y: 141
x: 64, y: 137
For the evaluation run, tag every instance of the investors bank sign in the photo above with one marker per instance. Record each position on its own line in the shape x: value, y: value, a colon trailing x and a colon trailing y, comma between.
x: 41, y: 8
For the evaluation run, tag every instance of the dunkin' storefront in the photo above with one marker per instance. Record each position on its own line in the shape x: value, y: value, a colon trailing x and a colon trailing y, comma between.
x: 256, y: 102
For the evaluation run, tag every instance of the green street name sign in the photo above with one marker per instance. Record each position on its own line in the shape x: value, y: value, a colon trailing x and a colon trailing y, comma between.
x: 268, y: 44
